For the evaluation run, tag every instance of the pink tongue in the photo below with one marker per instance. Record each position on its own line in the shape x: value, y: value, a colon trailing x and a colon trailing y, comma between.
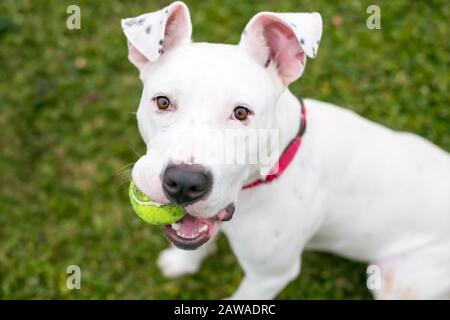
x: 223, y: 215
x: 190, y: 225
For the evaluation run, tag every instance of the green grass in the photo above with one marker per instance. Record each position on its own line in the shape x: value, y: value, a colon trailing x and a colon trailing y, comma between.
x: 67, y: 129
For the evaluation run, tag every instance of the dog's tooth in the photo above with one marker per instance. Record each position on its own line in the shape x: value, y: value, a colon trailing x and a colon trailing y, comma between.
x: 185, y: 235
x: 176, y: 226
x: 203, y: 228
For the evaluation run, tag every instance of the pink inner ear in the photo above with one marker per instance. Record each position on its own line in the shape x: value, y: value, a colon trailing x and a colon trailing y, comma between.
x: 176, y: 27
x: 284, y: 50
x: 136, y: 56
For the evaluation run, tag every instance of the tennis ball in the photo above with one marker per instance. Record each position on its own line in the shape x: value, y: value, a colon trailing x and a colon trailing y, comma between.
x: 153, y: 212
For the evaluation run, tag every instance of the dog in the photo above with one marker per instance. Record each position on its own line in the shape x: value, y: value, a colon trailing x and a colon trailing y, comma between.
x: 344, y: 184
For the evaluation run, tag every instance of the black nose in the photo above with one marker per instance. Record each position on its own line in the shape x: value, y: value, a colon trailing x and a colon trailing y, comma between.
x: 185, y: 184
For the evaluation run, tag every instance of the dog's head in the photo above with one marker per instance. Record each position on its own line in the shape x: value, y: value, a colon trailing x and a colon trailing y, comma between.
x: 203, y: 104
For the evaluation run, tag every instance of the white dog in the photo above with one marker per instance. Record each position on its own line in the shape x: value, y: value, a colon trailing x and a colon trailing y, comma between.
x: 353, y: 187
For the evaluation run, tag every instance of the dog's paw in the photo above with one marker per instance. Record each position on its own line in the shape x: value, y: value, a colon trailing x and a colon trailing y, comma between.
x: 174, y: 262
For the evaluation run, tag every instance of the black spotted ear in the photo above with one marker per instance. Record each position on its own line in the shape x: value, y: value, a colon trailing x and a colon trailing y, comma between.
x: 283, y: 40
x: 150, y: 34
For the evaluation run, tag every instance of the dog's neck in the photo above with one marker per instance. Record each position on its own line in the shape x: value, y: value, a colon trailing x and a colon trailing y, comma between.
x: 287, y: 121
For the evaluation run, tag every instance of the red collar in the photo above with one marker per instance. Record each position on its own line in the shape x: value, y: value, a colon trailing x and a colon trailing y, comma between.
x: 286, y: 157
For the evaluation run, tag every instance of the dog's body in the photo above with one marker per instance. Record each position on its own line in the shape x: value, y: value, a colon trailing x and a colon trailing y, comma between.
x: 355, y: 188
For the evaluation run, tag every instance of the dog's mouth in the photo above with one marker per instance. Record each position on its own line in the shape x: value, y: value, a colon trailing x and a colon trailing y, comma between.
x: 191, y: 232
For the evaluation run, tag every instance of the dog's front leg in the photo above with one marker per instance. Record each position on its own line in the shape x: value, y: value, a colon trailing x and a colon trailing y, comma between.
x: 265, y: 282
x: 267, y: 239
x: 270, y: 258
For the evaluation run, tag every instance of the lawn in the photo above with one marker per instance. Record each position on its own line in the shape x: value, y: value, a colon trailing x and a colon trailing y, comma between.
x: 68, y: 135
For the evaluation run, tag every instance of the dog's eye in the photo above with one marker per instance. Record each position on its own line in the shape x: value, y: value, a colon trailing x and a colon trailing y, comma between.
x: 241, y: 113
x: 162, y: 102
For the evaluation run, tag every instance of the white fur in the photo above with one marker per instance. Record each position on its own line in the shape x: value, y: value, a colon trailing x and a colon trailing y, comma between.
x: 355, y: 188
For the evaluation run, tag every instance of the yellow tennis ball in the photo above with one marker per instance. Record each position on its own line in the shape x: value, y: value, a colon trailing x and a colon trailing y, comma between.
x: 153, y: 212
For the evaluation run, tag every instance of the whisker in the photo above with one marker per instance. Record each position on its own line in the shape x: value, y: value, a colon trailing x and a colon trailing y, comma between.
x: 124, y: 178
x: 134, y: 150
x: 125, y: 167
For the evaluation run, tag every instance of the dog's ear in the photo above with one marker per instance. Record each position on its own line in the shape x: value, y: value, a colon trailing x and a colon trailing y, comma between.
x: 283, y: 41
x: 151, y: 34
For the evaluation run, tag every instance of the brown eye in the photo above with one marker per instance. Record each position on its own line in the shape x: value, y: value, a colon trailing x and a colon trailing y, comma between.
x: 241, y: 113
x: 162, y: 102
